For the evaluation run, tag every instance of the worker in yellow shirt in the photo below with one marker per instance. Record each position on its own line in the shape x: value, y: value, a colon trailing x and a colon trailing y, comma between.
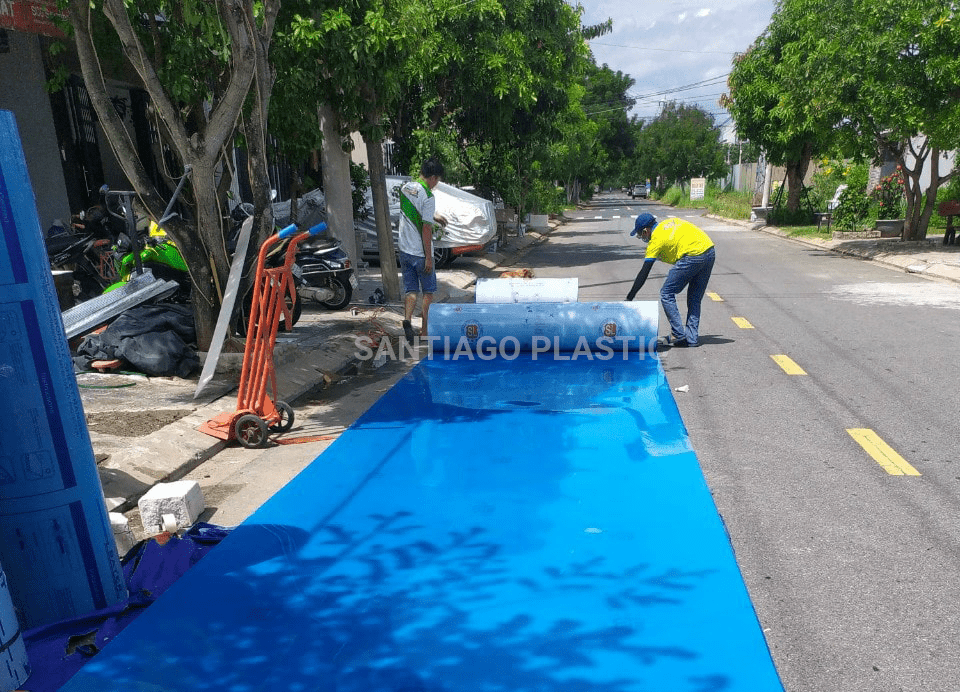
x: 692, y: 255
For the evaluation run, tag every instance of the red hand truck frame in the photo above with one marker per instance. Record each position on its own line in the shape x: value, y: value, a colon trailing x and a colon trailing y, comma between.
x: 258, y: 414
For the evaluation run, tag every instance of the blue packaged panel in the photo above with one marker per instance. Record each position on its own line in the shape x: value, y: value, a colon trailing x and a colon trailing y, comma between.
x: 463, y: 535
x: 56, y: 544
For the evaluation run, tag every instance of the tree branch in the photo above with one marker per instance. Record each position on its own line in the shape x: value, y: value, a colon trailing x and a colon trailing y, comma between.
x: 116, y: 133
x: 116, y: 12
x: 243, y: 55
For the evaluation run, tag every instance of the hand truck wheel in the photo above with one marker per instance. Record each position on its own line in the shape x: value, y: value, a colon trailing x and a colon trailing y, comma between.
x: 284, y: 418
x: 251, y: 431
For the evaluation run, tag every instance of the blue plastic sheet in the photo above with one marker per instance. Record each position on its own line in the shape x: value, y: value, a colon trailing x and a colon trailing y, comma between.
x: 498, y: 526
x: 57, y: 651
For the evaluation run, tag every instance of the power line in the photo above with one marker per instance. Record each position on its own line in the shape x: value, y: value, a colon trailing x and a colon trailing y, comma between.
x: 662, y: 50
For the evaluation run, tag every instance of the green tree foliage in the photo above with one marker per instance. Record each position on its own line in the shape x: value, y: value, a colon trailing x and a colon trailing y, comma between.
x: 874, y: 78
x: 606, y: 103
x: 896, y: 93
x: 770, y: 99
x: 682, y: 142
x: 493, y: 97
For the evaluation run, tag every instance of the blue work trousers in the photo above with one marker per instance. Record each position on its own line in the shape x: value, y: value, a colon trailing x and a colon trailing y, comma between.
x: 691, y: 272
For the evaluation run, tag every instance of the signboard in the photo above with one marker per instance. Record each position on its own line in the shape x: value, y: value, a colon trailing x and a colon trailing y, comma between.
x: 698, y: 187
x: 31, y: 16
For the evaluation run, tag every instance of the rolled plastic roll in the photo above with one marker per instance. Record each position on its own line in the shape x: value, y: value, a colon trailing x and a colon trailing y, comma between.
x: 14, y: 666
x: 545, y: 327
x: 547, y: 290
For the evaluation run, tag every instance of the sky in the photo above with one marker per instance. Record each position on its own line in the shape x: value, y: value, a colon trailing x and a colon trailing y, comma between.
x: 677, y: 50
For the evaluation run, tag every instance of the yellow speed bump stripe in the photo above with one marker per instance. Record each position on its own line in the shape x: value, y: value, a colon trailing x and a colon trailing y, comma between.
x: 788, y: 365
x: 882, y: 453
x: 714, y: 297
x: 742, y: 322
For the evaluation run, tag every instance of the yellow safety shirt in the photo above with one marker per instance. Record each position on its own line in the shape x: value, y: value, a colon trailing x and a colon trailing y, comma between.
x: 674, y: 238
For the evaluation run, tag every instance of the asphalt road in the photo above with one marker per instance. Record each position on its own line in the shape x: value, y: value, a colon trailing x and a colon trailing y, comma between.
x: 852, y: 563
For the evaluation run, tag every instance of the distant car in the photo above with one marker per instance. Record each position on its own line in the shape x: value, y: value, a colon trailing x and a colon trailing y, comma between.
x: 639, y: 191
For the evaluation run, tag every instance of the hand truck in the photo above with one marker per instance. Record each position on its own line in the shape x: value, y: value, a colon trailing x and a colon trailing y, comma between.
x: 259, y: 412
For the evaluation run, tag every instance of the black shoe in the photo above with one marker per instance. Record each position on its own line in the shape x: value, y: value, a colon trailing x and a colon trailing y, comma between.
x: 408, y: 331
x: 678, y: 343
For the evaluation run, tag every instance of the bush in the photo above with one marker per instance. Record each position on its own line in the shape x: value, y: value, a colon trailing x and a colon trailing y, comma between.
x: 830, y: 175
x: 888, y: 196
x: 853, y: 209
x: 950, y: 191
x: 674, y: 196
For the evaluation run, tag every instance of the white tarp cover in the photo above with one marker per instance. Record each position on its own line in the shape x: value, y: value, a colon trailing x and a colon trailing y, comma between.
x: 471, y: 220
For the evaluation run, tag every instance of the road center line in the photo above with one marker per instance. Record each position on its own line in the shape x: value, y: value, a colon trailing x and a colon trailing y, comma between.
x: 788, y: 365
x: 882, y: 453
x: 742, y: 322
x: 714, y: 297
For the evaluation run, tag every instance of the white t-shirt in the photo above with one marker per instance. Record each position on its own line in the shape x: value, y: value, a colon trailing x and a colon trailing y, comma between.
x: 411, y: 238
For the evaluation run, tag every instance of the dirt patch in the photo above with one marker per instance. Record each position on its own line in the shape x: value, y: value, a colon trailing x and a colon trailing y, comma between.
x: 133, y: 423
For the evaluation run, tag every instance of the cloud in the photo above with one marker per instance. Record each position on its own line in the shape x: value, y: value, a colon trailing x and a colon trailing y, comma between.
x: 669, y: 45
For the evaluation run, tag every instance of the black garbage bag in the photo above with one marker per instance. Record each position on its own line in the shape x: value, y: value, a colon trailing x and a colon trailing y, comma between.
x: 153, y: 339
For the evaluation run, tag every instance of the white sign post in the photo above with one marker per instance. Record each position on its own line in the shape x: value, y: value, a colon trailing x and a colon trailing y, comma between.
x: 698, y: 187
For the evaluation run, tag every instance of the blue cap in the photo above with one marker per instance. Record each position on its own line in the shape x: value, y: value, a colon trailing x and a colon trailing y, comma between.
x: 644, y: 220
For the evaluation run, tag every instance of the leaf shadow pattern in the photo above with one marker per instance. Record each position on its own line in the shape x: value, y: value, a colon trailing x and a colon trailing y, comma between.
x: 375, y: 572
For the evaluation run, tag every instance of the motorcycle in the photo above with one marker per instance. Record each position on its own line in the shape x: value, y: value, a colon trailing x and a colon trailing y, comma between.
x: 143, y: 244
x: 87, y: 250
x: 322, y: 270
x: 326, y: 275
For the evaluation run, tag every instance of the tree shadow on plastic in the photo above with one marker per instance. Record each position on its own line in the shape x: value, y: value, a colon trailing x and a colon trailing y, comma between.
x: 384, y: 607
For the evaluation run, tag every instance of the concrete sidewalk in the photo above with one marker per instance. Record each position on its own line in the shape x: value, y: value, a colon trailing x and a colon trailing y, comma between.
x: 929, y: 257
x: 145, y: 430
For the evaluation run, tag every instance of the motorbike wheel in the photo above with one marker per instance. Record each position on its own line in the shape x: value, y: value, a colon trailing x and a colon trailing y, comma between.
x: 442, y: 256
x: 343, y: 292
x: 243, y: 317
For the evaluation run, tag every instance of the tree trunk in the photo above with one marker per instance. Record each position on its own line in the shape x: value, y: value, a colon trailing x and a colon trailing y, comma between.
x: 207, y: 259
x: 336, y: 183
x: 913, y: 229
x: 796, y: 170
x: 381, y: 211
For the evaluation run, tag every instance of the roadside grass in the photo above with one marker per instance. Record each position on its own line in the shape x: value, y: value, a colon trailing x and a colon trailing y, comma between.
x: 735, y: 204
x: 738, y: 205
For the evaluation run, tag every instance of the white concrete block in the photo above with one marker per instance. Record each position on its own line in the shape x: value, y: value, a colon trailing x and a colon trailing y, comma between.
x: 165, y: 503
x: 122, y: 533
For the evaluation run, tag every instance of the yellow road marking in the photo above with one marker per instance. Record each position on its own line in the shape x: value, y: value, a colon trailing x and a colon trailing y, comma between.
x: 882, y: 453
x: 714, y: 297
x: 742, y: 322
x: 788, y: 365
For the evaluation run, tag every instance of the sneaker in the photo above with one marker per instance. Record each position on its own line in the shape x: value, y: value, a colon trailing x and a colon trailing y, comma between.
x: 408, y: 331
x: 678, y: 343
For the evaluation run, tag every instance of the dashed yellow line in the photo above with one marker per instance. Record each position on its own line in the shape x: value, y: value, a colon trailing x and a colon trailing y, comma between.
x: 788, y: 365
x: 742, y: 322
x: 714, y: 297
x: 882, y: 453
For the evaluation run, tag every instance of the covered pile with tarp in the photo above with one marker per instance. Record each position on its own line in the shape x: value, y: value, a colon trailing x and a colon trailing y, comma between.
x: 471, y: 220
x: 157, y: 340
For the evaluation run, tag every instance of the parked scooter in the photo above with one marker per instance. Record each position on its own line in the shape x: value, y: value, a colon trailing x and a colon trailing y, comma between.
x: 87, y: 251
x: 322, y: 270
x: 143, y: 244
x: 327, y: 275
